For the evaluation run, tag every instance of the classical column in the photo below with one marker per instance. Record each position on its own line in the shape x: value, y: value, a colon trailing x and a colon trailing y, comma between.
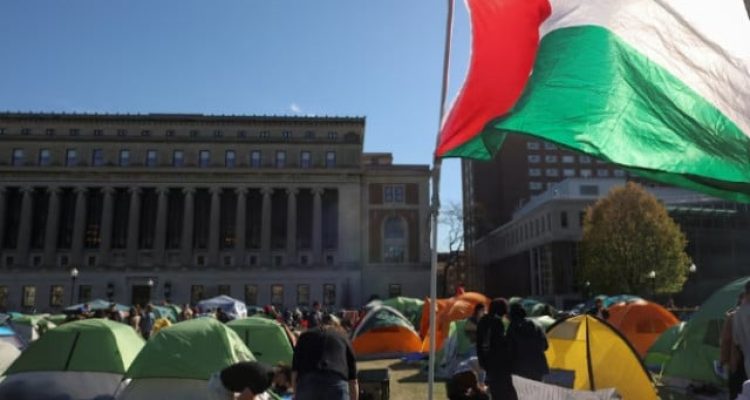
x: 24, y: 230
x: 213, y: 227
x: 317, y: 227
x: 265, y: 226
x: 53, y: 223
x: 2, y: 215
x: 108, y: 211
x: 161, y: 225
x: 187, y: 226
x: 133, y: 225
x: 239, y: 235
x: 79, y: 225
x: 291, y: 224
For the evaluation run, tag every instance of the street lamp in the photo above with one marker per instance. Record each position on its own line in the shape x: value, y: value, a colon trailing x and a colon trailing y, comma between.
x: 587, y: 290
x: 693, y: 269
x: 73, y: 277
x: 652, y: 276
x: 150, y: 284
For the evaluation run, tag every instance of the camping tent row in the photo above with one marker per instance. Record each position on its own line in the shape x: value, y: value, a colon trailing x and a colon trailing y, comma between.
x: 101, y: 359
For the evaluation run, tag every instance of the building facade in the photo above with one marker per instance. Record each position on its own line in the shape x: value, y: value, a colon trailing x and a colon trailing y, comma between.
x: 281, y: 210
x: 537, y: 252
x: 524, y: 168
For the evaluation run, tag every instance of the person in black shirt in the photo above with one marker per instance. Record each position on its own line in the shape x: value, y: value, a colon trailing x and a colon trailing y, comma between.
x: 323, y: 365
x: 494, y: 353
x: 528, y: 344
x: 249, y: 378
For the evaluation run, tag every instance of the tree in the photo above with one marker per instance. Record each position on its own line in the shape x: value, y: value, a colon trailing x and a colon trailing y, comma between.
x: 628, y: 234
x: 452, y: 218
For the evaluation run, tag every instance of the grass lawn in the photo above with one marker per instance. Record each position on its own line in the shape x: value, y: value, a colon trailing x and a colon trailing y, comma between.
x: 407, y: 382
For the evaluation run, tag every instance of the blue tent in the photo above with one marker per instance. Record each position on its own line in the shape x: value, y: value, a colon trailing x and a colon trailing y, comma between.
x: 233, y: 307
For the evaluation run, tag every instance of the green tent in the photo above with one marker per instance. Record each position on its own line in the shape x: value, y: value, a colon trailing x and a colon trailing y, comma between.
x: 411, y: 308
x: 698, y: 344
x: 661, y: 351
x: 267, y: 339
x: 57, y: 319
x: 192, y: 349
x: 92, y: 345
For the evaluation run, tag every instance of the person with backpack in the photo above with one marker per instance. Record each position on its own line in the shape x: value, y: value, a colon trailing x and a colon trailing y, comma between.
x: 494, y: 352
x: 527, y: 345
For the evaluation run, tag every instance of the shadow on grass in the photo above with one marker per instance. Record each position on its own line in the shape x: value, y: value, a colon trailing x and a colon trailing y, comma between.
x: 418, y: 377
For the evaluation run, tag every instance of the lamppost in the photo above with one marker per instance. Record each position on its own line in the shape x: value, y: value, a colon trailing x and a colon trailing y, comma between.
x: 150, y: 284
x: 587, y: 290
x: 692, y: 269
x: 73, y: 277
x: 652, y: 276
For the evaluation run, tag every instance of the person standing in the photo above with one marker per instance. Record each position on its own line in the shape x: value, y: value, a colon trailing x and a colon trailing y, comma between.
x: 470, y: 328
x: 494, y: 353
x: 527, y: 345
x: 134, y: 318
x: 147, y: 321
x: 323, y: 365
x: 599, y: 310
x: 315, y: 317
x: 731, y: 356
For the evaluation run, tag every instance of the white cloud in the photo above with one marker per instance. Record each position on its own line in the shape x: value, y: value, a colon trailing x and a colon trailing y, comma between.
x: 295, y: 108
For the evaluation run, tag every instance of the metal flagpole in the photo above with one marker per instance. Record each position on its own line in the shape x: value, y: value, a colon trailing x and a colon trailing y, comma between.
x: 435, y: 209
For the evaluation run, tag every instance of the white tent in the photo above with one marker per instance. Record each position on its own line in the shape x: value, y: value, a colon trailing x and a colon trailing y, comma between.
x: 8, y: 353
x: 233, y: 307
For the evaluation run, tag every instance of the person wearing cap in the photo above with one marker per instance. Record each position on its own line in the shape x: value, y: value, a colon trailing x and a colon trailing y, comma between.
x: 247, y: 380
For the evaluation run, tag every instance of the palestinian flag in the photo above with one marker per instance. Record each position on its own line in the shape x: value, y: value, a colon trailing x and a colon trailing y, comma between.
x: 660, y: 87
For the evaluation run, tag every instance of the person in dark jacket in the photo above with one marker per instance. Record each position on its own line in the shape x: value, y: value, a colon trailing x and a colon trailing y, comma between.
x: 494, y: 353
x: 599, y: 310
x: 527, y: 344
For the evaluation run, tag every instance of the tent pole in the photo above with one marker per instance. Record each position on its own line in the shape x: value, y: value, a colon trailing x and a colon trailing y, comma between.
x: 435, y: 207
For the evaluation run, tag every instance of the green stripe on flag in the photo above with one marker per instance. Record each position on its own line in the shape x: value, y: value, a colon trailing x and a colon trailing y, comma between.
x: 594, y: 93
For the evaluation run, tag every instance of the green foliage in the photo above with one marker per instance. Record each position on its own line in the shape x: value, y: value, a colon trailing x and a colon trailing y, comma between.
x: 628, y: 234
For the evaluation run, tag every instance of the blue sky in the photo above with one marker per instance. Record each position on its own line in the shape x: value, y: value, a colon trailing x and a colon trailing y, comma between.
x: 379, y: 59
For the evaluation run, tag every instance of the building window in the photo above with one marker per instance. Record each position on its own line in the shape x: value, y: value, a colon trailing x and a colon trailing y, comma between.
x: 564, y: 219
x: 17, y: 157
x: 122, y: 132
x: 218, y: 133
x: 178, y: 158
x: 84, y: 293
x: 204, y: 158
x: 602, y: 173
x: 145, y: 132
x: 251, y: 295
x: 91, y: 261
x: 225, y: 290
x: 333, y: 135
x: 535, y: 185
x: 196, y: 293
x: 194, y: 133
x: 303, y: 260
x: 286, y: 135
x: 305, y: 159
x: 71, y: 157
x: 549, y: 146
x: 535, y: 172
x: 97, y: 157
x: 550, y: 158
x: 64, y: 261
x: 124, y: 157
x: 330, y: 159
x: 569, y: 172
x: 310, y: 135
x: 303, y: 295
x: 589, y: 190
x: 74, y: 132
x: 29, y: 296
x: 152, y: 158
x: 26, y: 131
x: 551, y: 172
x: 255, y: 159
x: 277, y: 261
x: 98, y: 132
x: 329, y: 294
x: 227, y: 261
x: 3, y: 297
x: 56, y: 296
x: 264, y: 134
x: 394, y: 290
x: 532, y: 145
x: 280, y: 159
x: 169, y: 133
x: 2, y: 131
x: 393, y: 194
x: 277, y: 294
x: 585, y: 173
x: 619, y: 173
x: 568, y: 159
x: 394, y: 240
x: 584, y: 159
x: 241, y: 134
x: 230, y: 159
x: 200, y: 260
x: 49, y: 132
x: 533, y: 158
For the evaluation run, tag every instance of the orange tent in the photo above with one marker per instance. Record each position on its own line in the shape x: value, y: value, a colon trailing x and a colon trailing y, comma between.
x: 641, y: 322
x: 385, y: 332
x: 448, y: 310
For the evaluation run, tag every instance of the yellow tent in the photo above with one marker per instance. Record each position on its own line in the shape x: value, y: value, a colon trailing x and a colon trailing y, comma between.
x: 599, y: 357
